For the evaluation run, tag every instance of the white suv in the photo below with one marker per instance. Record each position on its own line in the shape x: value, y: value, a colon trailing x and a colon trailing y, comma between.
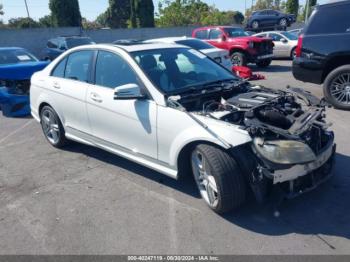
x: 174, y: 110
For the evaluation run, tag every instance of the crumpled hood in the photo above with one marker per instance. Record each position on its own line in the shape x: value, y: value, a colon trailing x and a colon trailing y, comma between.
x: 21, y: 71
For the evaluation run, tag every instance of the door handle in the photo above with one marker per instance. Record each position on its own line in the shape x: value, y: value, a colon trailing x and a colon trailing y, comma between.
x: 95, y: 97
x: 56, y: 85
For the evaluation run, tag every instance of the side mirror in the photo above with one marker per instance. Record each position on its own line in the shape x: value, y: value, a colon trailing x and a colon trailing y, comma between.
x: 128, y: 92
x: 223, y: 38
x: 63, y: 48
x: 283, y: 40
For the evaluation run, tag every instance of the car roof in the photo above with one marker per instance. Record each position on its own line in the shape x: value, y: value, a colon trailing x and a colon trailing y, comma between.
x: 213, y: 27
x: 170, y: 39
x: 332, y: 3
x: 133, y: 48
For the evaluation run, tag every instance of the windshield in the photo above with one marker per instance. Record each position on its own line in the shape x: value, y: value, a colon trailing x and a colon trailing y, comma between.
x: 174, y: 70
x: 16, y: 56
x: 195, y: 44
x: 235, y: 32
x: 74, y: 42
x: 290, y: 36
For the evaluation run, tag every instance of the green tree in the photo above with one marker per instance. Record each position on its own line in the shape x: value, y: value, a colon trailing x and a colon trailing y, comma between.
x: 65, y: 12
x: 46, y: 21
x: 118, y: 13
x: 22, y: 22
x: 292, y: 7
x: 141, y: 13
x: 102, y: 19
x: 1, y: 10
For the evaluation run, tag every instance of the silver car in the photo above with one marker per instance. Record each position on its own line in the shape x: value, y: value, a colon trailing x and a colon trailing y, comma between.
x: 285, y: 43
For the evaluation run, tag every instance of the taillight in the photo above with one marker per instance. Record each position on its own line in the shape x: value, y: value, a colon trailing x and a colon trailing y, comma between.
x: 299, y: 46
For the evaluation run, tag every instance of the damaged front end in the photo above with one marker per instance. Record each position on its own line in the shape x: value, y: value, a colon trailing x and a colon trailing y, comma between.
x: 15, y: 86
x: 291, y: 145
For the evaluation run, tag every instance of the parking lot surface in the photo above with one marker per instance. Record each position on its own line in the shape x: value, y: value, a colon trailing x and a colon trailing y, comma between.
x: 83, y: 200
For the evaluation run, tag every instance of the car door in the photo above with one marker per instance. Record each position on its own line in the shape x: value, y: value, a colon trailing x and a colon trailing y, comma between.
x: 68, y: 84
x: 123, y: 125
x: 281, y: 48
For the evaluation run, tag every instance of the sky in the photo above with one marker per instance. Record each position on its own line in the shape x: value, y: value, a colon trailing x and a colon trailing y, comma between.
x: 92, y: 8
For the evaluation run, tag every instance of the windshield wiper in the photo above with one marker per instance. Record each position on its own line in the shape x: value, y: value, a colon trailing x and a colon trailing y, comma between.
x: 194, y: 88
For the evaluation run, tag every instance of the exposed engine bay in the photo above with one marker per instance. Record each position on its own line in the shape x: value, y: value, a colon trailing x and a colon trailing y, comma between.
x: 288, y: 128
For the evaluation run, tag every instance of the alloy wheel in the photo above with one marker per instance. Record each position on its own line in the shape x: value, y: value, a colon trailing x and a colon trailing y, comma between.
x: 236, y: 60
x: 50, y: 126
x: 205, y: 181
x: 340, y: 88
x: 283, y: 22
x: 255, y: 24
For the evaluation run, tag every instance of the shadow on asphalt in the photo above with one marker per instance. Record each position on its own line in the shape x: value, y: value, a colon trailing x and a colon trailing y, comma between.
x: 325, y: 210
x: 273, y: 68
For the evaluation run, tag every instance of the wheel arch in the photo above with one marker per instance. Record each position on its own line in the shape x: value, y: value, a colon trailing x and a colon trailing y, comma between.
x: 335, y: 62
x: 183, y: 157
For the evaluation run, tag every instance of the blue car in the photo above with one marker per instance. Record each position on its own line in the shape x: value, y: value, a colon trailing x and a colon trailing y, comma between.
x: 17, y: 66
x: 263, y: 19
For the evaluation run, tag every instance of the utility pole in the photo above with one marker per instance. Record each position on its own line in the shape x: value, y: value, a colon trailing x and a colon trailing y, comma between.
x: 25, y: 2
x: 307, y: 10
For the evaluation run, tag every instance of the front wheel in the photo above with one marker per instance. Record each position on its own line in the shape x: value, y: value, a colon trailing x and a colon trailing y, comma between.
x: 283, y: 22
x: 238, y: 59
x: 264, y: 63
x: 218, y: 178
x: 336, y: 87
x: 52, y: 127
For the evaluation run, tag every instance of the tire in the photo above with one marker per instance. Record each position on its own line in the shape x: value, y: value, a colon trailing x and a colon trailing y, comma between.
x: 264, y: 63
x: 293, y: 53
x: 336, y: 87
x: 52, y: 127
x: 255, y: 24
x: 218, y: 170
x: 283, y: 22
x: 238, y: 59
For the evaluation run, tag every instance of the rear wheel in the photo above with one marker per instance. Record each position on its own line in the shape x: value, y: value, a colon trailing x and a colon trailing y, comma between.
x: 218, y: 178
x: 238, y: 59
x: 52, y: 127
x: 336, y: 87
x: 264, y: 63
x: 255, y: 24
x: 293, y: 53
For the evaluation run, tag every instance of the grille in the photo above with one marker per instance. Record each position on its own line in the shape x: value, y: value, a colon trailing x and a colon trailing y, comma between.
x: 263, y: 47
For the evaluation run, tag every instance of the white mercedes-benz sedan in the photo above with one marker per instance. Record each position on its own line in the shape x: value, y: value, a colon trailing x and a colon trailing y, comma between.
x: 172, y: 109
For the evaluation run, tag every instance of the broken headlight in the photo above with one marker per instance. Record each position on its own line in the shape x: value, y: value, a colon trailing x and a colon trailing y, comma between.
x: 284, y: 151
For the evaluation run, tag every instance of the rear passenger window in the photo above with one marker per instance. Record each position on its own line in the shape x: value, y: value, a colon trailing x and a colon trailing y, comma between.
x: 60, y: 68
x: 113, y: 71
x: 202, y: 34
x: 215, y: 34
x: 77, y: 67
x: 275, y: 37
x: 330, y: 20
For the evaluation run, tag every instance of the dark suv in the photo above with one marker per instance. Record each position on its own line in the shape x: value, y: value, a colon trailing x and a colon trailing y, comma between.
x: 323, y: 52
x: 58, y: 45
x: 270, y: 19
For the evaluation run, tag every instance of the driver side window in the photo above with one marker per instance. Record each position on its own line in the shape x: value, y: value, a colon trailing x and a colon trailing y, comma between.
x: 215, y: 34
x: 113, y: 71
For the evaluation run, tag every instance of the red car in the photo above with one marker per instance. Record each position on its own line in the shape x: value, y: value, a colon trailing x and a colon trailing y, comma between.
x: 243, y: 48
